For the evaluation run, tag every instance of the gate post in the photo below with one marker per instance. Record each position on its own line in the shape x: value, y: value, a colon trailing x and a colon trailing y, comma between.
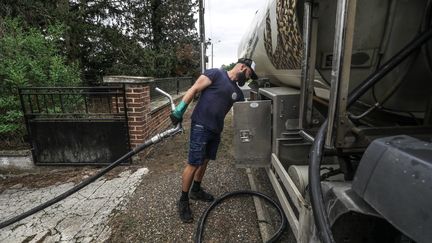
x: 137, y: 91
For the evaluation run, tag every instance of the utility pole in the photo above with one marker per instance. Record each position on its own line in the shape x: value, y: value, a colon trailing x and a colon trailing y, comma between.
x: 202, y: 35
x: 212, y: 43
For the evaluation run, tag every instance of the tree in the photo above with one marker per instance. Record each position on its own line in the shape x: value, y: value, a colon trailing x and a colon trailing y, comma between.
x: 29, y: 57
x: 131, y: 37
x: 228, y: 67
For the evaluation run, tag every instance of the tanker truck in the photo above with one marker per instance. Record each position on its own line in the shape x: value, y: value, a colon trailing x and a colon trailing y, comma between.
x: 340, y: 117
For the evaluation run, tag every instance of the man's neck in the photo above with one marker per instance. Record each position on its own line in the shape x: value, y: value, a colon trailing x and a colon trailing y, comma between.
x: 232, y: 75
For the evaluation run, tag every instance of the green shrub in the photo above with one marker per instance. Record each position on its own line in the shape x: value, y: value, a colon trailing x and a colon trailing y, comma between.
x: 29, y: 57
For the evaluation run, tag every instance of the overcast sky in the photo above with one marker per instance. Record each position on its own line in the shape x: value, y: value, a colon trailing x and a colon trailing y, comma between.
x: 225, y: 23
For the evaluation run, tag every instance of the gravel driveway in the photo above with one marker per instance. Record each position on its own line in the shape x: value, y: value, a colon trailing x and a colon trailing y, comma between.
x: 151, y: 214
x: 148, y: 213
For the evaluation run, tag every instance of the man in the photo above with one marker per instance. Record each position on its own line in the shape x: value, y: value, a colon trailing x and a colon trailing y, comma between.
x: 219, y: 91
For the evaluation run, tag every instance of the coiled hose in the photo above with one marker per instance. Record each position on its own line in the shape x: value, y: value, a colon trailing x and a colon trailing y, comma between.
x: 203, y: 218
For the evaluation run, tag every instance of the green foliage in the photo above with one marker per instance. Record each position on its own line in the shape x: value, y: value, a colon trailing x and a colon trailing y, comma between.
x: 228, y: 67
x: 29, y: 57
x: 127, y: 37
x: 56, y: 40
x: 144, y: 62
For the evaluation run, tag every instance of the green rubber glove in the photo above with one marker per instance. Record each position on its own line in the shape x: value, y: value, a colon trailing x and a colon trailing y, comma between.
x: 177, y: 113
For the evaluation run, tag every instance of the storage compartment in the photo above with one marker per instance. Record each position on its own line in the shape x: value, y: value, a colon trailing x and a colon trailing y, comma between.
x: 285, y: 110
x: 252, y: 133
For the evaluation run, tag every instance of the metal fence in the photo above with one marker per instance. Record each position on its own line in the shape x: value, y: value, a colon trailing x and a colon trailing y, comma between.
x: 73, y: 102
x: 76, y: 125
x: 172, y: 86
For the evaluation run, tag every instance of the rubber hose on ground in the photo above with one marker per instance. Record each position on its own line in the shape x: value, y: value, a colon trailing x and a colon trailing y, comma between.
x: 203, y: 218
x: 65, y: 194
x: 75, y: 188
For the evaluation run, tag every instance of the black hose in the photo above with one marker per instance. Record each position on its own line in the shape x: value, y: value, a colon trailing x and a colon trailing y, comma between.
x: 85, y: 182
x: 316, y: 195
x: 67, y: 193
x: 201, y: 222
x: 317, y: 201
x: 426, y: 24
x: 388, y: 66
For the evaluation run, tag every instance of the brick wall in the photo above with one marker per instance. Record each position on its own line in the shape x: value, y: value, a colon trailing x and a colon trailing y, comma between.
x: 143, y: 122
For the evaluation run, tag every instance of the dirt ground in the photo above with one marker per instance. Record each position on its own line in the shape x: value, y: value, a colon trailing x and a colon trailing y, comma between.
x: 49, y: 175
x: 151, y: 213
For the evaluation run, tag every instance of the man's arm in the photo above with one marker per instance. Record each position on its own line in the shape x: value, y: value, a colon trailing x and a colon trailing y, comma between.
x: 200, y: 84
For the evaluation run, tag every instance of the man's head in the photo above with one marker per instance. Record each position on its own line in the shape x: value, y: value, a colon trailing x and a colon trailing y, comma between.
x: 244, y: 70
x: 250, y: 64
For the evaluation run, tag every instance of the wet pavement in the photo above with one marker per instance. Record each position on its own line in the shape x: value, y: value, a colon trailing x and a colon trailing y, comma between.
x: 82, y: 217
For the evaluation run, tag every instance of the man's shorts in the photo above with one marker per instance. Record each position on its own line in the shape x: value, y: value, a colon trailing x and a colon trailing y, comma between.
x: 203, y: 144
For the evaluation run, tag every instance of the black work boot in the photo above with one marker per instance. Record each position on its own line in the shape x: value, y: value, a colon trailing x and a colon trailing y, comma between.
x: 201, y: 195
x: 185, y: 211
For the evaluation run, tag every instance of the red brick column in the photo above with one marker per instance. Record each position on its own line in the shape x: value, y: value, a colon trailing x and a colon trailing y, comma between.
x: 144, y: 120
x: 138, y: 108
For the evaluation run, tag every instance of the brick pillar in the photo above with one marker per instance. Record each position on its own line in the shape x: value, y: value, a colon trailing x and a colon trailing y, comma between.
x: 137, y: 104
x: 138, y: 108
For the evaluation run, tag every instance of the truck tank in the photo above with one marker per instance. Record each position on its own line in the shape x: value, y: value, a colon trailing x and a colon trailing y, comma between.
x: 341, y: 117
x: 274, y: 40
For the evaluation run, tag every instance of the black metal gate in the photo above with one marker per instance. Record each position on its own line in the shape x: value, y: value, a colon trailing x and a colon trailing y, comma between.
x: 76, y: 125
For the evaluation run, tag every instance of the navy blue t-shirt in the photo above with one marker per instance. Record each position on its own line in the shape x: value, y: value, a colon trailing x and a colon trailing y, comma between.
x: 216, y: 100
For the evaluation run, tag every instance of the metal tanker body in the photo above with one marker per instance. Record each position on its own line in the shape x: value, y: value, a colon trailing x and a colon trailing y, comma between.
x: 382, y: 28
x: 274, y: 41
x: 341, y: 117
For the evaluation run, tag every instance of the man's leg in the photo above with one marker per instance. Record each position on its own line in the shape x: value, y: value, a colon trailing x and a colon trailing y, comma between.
x: 183, y: 204
x: 197, y: 193
x: 196, y: 158
x: 199, y: 174
x: 188, y: 174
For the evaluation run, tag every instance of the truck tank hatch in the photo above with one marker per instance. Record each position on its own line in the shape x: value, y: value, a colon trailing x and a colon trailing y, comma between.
x: 395, y: 177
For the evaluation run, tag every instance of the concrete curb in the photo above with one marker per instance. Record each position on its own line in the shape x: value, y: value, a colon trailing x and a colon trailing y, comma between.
x: 262, y: 213
x: 18, y: 159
